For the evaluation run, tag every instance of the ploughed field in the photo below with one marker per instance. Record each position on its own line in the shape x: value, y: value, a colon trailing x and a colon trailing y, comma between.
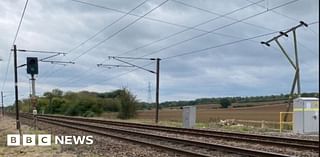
x: 209, y: 113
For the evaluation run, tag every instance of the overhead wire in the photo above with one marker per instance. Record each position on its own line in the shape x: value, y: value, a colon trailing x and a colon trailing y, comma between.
x: 13, y: 43
x: 208, y: 48
x: 292, y: 19
x: 213, y: 47
x: 99, y: 32
x: 192, y: 28
x: 204, y: 50
x: 219, y: 28
x: 178, y: 43
x: 221, y: 45
x: 122, y: 29
x: 117, y: 32
x: 188, y: 28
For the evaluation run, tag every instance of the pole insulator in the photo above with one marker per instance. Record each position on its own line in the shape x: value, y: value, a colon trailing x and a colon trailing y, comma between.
x: 285, y: 34
x: 303, y: 23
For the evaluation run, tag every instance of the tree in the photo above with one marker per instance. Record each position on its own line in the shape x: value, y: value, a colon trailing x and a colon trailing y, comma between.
x: 225, y: 103
x: 57, y: 92
x: 128, y: 104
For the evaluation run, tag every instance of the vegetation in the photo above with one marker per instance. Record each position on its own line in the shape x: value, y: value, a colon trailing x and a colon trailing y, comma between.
x: 84, y: 103
x: 225, y: 103
x: 89, y: 104
x: 128, y: 105
x: 202, y: 101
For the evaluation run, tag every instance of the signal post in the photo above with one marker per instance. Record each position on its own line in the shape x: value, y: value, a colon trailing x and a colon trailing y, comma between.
x: 32, y: 69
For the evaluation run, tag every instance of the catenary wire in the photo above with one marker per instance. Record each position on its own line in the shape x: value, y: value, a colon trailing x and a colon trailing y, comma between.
x: 217, y: 46
x: 96, y: 34
x: 221, y: 27
x: 128, y: 25
x: 188, y: 28
x: 117, y: 32
x: 14, y: 41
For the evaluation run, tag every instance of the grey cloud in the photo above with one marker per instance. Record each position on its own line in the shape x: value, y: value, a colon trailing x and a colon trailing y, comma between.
x: 246, y: 68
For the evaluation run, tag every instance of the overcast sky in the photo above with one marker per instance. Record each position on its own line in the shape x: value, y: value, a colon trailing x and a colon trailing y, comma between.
x: 216, y: 61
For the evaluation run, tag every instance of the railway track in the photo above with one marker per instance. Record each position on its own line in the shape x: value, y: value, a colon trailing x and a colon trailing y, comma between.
x: 261, y: 139
x: 179, y: 145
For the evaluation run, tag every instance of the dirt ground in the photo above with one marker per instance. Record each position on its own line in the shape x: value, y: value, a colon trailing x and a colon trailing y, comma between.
x: 206, y: 114
x: 8, y: 126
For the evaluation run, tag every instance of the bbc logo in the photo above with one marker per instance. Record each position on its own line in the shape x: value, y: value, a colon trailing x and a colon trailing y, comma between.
x: 28, y: 140
x: 45, y: 140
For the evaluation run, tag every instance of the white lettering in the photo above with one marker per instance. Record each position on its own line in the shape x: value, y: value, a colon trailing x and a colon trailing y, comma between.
x: 67, y: 139
x: 59, y: 140
x: 89, y: 140
x: 29, y: 140
x: 79, y: 139
x: 13, y: 140
x: 44, y: 140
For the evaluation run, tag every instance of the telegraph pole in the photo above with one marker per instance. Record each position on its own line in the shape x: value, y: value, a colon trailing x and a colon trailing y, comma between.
x: 295, y: 65
x: 157, y: 89
x: 16, y: 85
x: 2, y: 107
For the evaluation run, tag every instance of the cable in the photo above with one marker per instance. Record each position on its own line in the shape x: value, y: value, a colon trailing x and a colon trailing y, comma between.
x: 100, y: 31
x: 225, y: 44
x: 20, y: 22
x: 193, y: 28
x: 188, y: 28
x: 221, y: 27
x: 147, y: 18
x: 217, y: 46
x: 212, y: 47
x: 109, y: 37
x: 221, y: 45
x: 108, y: 26
x: 292, y: 19
x: 122, y: 29
x: 178, y: 43
x: 14, y: 41
x: 125, y: 73
x: 223, y: 15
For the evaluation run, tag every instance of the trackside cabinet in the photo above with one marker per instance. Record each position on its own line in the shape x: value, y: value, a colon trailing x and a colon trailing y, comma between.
x: 306, y: 115
x: 189, y: 116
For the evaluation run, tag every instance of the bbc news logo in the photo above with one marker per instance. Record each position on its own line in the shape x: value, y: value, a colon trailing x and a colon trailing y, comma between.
x: 45, y: 140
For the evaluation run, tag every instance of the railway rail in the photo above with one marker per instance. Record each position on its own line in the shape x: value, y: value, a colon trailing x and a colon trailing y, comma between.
x: 94, y: 126
x: 271, y: 140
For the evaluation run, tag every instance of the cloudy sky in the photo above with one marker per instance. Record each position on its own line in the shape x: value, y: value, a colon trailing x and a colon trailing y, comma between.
x: 209, y: 48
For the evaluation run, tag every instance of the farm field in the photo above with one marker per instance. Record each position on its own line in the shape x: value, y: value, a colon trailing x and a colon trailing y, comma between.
x: 209, y: 113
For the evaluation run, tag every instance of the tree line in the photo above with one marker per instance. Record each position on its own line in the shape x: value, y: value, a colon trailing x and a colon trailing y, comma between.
x: 122, y: 101
x: 224, y: 101
x: 84, y: 103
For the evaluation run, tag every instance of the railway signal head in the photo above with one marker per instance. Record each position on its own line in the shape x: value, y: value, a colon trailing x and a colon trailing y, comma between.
x: 32, y: 65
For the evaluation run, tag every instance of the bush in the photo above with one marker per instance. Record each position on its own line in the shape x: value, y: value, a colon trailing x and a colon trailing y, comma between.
x: 225, y: 103
x: 89, y: 114
x: 128, y: 105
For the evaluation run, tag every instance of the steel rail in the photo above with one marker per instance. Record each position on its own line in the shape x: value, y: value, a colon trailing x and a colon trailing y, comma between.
x: 262, y: 139
x: 102, y: 130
